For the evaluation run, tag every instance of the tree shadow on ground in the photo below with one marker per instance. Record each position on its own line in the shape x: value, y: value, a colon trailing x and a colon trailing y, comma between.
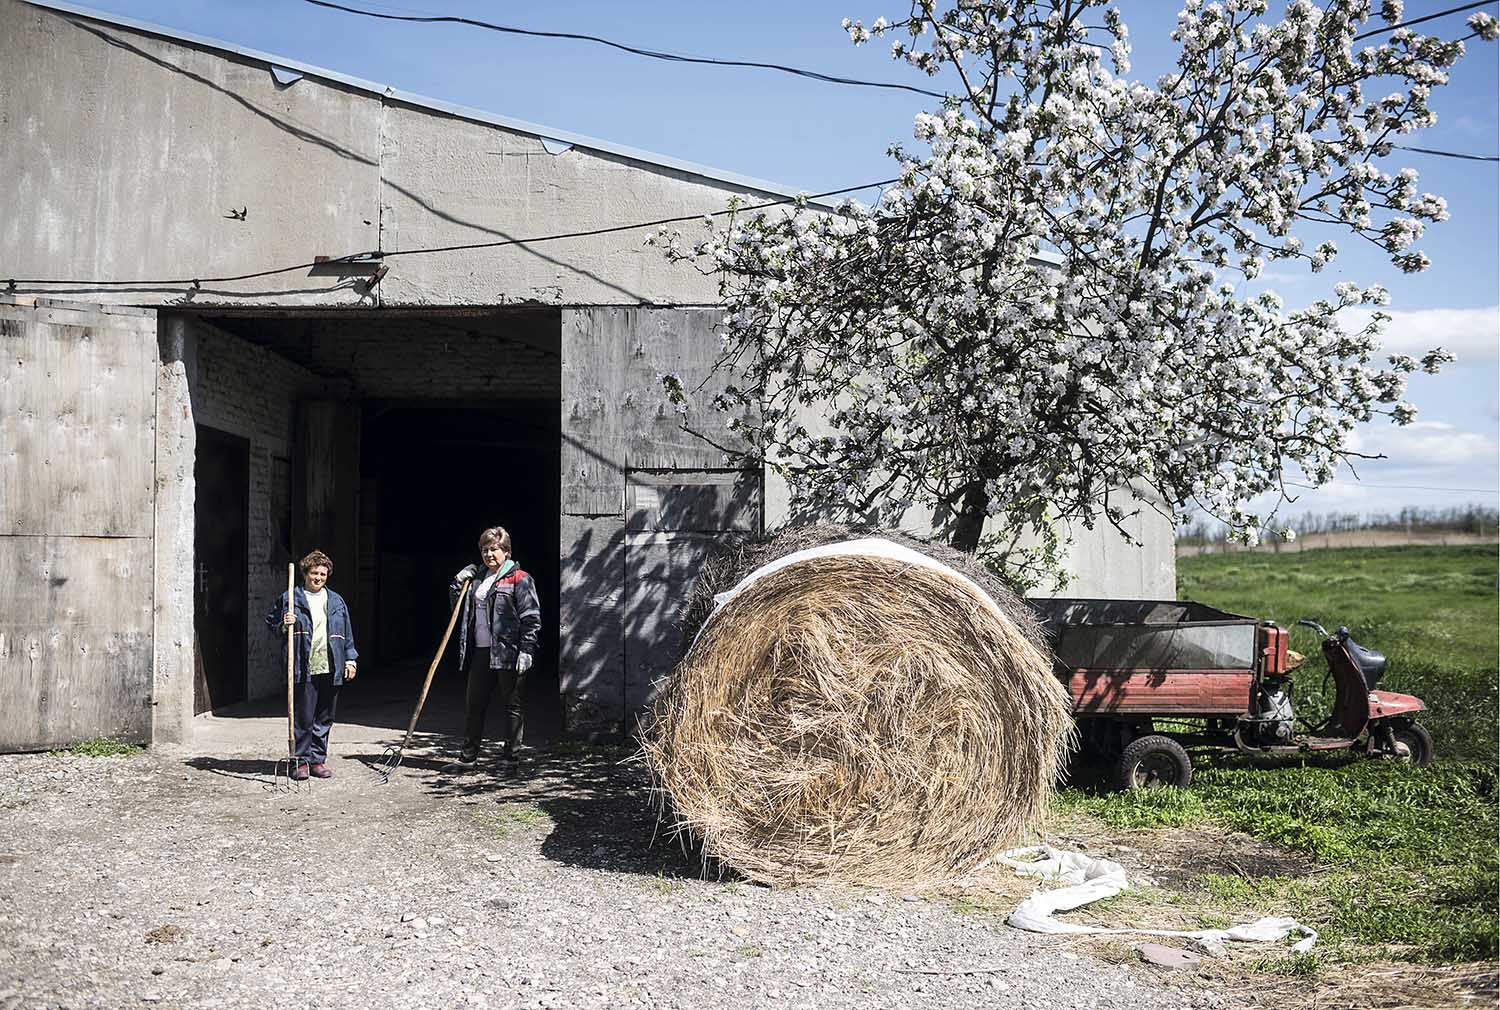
x: 598, y: 800
x: 426, y: 751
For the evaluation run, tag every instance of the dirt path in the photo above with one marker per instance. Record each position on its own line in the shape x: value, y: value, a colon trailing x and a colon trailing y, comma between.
x: 178, y: 880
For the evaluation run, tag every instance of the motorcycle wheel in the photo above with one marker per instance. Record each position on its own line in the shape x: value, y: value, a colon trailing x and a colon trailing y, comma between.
x: 1153, y: 762
x: 1413, y: 745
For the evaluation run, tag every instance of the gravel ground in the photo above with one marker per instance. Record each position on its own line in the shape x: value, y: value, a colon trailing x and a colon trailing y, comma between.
x: 167, y: 880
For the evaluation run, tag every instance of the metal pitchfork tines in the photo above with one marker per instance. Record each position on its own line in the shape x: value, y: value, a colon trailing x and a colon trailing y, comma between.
x: 284, y: 778
x: 390, y: 759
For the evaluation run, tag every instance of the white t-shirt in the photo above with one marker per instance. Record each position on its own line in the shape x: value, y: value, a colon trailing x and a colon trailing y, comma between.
x: 481, y: 612
x: 317, y: 605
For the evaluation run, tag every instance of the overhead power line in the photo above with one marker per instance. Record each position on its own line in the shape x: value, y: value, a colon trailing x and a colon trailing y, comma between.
x: 377, y: 255
x: 811, y: 74
x: 1425, y: 17
x: 636, y: 50
x: 1449, y: 154
x: 1397, y: 487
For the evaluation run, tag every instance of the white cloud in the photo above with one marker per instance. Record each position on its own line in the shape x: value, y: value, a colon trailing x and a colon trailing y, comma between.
x: 1430, y: 465
x: 1285, y: 278
x: 1472, y: 334
x: 1425, y: 445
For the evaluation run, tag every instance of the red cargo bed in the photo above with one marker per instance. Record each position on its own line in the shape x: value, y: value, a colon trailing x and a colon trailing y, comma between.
x: 1142, y: 658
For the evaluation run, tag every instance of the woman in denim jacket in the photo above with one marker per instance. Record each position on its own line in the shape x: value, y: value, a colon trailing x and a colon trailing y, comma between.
x: 325, y: 657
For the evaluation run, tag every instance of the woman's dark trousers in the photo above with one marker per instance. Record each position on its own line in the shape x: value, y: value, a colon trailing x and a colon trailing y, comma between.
x: 483, y: 685
x: 315, y: 698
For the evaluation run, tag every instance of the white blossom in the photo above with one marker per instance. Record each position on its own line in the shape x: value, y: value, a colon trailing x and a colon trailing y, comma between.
x: 956, y: 372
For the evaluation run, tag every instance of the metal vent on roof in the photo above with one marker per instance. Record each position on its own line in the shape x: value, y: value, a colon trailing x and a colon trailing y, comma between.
x: 284, y: 76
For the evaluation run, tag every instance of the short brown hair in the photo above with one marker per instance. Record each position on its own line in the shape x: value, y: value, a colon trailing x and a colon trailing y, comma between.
x: 313, y: 560
x: 495, y: 535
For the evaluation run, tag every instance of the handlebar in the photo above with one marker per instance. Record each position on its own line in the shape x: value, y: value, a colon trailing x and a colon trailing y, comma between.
x: 1315, y: 626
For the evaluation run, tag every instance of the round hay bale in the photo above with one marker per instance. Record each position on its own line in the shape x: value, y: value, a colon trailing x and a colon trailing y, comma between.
x: 854, y: 718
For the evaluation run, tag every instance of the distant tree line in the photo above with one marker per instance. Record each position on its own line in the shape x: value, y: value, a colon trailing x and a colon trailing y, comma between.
x: 1475, y: 520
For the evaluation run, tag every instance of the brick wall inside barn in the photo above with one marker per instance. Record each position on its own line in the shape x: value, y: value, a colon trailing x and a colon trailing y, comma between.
x: 252, y: 392
x: 425, y: 356
x: 412, y: 365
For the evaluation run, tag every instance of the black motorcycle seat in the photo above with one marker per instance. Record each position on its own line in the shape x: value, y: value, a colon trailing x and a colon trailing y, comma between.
x: 1371, y: 664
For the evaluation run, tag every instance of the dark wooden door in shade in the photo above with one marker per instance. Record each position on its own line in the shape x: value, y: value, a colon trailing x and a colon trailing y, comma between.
x: 325, y: 491
x: 220, y: 547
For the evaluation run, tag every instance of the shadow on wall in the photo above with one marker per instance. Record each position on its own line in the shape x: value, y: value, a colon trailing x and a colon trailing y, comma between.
x: 590, y: 627
x: 627, y: 584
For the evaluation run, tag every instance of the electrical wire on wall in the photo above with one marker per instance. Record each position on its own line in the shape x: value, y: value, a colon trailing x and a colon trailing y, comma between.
x: 377, y: 256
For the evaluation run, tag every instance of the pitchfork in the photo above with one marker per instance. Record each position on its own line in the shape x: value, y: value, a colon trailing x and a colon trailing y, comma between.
x: 282, y: 777
x: 390, y: 760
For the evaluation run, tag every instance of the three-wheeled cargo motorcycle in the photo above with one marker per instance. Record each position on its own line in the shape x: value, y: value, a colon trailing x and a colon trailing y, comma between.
x: 1131, y: 664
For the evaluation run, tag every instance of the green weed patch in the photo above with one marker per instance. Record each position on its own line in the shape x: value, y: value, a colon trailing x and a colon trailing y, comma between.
x: 103, y: 747
x: 509, y: 817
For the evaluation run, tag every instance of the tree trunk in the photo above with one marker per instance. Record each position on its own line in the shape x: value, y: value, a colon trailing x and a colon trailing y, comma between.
x: 968, y: 525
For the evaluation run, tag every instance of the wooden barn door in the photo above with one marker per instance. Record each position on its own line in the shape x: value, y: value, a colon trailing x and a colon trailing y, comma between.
x: 325, y: 490
x: 77, y: 486
x: 643, y: 502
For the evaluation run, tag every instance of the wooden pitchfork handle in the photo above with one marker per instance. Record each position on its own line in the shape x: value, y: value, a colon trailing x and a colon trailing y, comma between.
x: 442, y: 647
x: 291, y: 731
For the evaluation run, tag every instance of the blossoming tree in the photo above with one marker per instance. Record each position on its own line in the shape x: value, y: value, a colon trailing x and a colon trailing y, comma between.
x: 1045, y: 319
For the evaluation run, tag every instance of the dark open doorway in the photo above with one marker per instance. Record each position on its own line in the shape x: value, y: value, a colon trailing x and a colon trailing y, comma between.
x: 440, y: 475
x: 389, y: 438
x: 432, y: 477
x: 221, y: 473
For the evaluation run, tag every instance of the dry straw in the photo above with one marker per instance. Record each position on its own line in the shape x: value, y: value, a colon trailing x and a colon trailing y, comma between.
x: 857, y: 719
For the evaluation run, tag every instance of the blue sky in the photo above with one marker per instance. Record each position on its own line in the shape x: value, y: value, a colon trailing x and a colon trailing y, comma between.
x: 820, y: 136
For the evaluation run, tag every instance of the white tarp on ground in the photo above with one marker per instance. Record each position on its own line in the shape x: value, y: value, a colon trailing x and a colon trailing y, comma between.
x: 1091, y: 880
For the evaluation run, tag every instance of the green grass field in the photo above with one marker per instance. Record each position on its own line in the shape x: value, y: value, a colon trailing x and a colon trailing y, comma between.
x: 1407, y: 856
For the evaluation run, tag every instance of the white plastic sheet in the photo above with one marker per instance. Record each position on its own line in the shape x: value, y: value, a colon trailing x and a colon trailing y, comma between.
x: 1091, y: 879
x: 870, y: 547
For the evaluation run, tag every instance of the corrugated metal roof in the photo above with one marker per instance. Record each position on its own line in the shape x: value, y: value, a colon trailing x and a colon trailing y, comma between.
x: 545, y: 133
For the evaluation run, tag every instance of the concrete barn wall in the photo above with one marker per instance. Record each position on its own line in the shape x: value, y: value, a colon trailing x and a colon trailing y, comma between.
x: 213, y: 378
x: 1099, y: 562
x: 252, y: 392
x: 1102, y: 564
x: 140, y: 147
x: 153, y: 142
x: 451, y: 181
x: 145, y: 138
